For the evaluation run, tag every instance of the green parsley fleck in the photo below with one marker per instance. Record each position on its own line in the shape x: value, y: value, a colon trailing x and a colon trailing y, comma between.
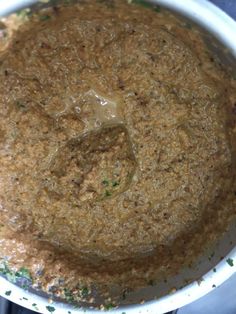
x: 230, y: 262
x: 211, y: 256
x: 10, y: 275
x: 67, y: 2
x: 108, y: 3
x: 84, y: 292
x: 8, y: 292
x: 23, y: 272
x: 213, y: 286
x: 151, y: 282
x: 188, y: 25
x: 69, y: 296
x: 50, y: 309
x: 214, y: 270
x: 143, y: 3
x: 20, y: 105
x: 107, y: 193
x: 69, y: 312
x: 105, y: 182
x: 123, y: 313
x: 24, y: 14
x: 199, y: 281
x: 76, y: 306
x: 35, y: 306
x: 124, y: 294
x: 115, y: 183
x: 146, y: 4
x: 25, y: 299
x: 44, y: 17
x: 25, y: 286
x: 109, y: 306
x: 157, y: 8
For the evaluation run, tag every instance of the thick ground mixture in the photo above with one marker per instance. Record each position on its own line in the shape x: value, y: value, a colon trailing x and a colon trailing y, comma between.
x: 116, y: 158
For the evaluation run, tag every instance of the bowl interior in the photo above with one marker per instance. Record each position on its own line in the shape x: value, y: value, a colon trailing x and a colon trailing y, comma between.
x: 203, y: 264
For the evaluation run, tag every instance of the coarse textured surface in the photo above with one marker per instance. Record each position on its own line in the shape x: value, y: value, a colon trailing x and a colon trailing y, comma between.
x: 115, y: 145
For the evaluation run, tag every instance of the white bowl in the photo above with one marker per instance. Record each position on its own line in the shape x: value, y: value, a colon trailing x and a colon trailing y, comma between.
x: 223, y: 28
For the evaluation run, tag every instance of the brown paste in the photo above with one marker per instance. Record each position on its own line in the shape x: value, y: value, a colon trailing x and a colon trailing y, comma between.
x: 116, y: 146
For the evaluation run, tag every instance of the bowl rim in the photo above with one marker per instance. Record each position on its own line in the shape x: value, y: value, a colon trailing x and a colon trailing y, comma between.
x: 170, y: 302
x: 223, y: 27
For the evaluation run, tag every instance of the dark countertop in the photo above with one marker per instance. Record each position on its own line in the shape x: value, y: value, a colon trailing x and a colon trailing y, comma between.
x: 228, y: 6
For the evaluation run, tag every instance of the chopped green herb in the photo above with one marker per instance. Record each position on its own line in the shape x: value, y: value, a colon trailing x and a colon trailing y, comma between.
x: 44, y: 17
x: 151, y: 282
x: 50, y: 309
x: 69, y: 296
x: 188, y: 25
x: 157, y: 8
x: 23, y: 272
x: 3, y: 268
x: 20, y: 105
x: 108, y: 3
x: 230, y: 262
x: 109, y: 306
x: 143, y: 3
x: 84, y: 292
x: 105, y: 182
x: 211, y: 256
x: 214, y: 270
x: 124, y: 294
x: 8, y: 292
x: 66, y: 2
x: 10, y: 275
x: 25, y: 286
x: 69, y: 312
x: 199, y: 281
x: 25, y: 299
x: 76, y: 306
x: 107, y: 193
x: 123, y: 313
x: 35, y: 306
x: 24, y: 14
x: 146, y: 4
x: 213, y: 286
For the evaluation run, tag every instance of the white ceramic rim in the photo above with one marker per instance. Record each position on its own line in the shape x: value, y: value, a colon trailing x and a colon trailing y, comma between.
x: 186, y: 295
x: 203, y: 12
x: 224, y: 28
